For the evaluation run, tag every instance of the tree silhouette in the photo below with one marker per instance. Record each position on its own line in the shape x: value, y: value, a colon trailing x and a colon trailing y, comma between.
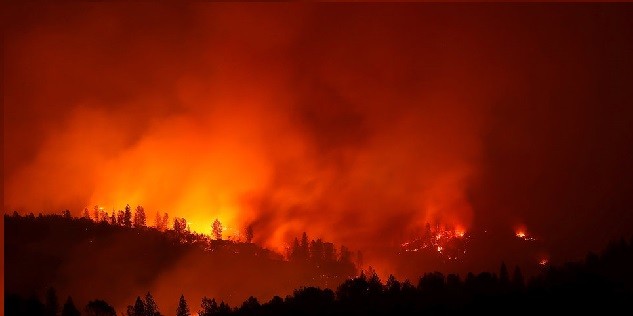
x: 250, y: 306
x: 140, y: 220
x: 127, y: 216
x: 96, y: 213
x: 374, y: 284
x: 52, y: 304
x: 165, y: 220
x: 304, y: 247
x: 161, y: 221
x: 329, y: 253
x: 158, y: 222
x: 86, y: 214
x: 344, y: 266
x: 393, y: 285
x: 431, y: 282
x: 359, y: 259
x: 69, y: 308
x: 209, y: 307
x: 316, y: 250
x: 249, y: 233
x: 224, y: 309
x: 151, y: 308
x: 139, y: 307
x: 601, y: 283
x: 407, y: 287
x: 183, y: 308
x: 99, y: 308
x: 453, y: 282
x: 294, y: 250
x: 504, y: 277
x: 120, y: 218
x: 66, y: 214
x: 217, y: 229
x: 180, y: 225
x: 353, y: 289
x: 276, y: 303
x: 312, y: 298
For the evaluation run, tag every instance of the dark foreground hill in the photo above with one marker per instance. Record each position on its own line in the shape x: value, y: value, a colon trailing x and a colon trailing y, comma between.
x: 105, y: 268
x: 91, y: 260
x: 602, y: 284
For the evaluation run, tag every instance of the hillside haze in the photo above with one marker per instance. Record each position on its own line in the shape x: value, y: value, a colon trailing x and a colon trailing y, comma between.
x: 110, y: 261
x: 91, y: 260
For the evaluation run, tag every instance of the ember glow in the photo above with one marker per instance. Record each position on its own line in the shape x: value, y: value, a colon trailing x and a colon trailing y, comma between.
x: 522, y: 233
x: 449, y: 243
x: 356, y: 124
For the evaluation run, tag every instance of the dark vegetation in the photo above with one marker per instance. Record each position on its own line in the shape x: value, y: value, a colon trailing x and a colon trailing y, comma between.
x: 602, y: 283
x: 117, y: 261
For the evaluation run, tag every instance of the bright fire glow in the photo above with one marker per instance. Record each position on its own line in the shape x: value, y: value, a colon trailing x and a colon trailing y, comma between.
x: 521, y: 233
x: 444, y: 241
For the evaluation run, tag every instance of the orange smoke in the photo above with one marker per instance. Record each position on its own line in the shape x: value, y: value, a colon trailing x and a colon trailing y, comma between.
x: 229, y: 112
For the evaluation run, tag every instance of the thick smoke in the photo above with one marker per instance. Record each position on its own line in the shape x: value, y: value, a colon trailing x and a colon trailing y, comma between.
x: 354, y: 124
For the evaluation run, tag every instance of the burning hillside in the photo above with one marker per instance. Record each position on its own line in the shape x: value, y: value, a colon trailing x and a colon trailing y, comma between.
x: 447, y: 242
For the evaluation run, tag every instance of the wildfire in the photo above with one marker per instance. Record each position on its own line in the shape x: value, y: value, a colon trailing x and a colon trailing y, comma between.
x: 543, y: 262
x: 447, y: 242
x: 522, y: 234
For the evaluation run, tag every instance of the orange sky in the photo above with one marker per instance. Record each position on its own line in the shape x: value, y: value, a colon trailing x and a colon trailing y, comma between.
x: 354, y: 123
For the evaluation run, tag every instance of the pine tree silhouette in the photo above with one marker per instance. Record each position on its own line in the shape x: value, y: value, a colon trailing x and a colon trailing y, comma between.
x: 69, y: 308
x: 183, y: 308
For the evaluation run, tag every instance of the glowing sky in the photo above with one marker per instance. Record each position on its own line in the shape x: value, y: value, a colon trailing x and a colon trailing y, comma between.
x: 355, y: 123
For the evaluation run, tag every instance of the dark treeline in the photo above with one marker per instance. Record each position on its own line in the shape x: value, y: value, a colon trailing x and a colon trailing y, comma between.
x: 114, y: 261
x: 602, y: 283
x: 312, y: 252
x: 318, y: 258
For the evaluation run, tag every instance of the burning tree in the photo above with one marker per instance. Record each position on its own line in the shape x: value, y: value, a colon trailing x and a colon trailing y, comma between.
x: 217, y: 229
x: 120, y: 218
x: 446, y: 242
x: 249, y: 234
x: 96, y: 212
x: 180, y: 225
x: 140, y: 219
x: 161, y: 222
